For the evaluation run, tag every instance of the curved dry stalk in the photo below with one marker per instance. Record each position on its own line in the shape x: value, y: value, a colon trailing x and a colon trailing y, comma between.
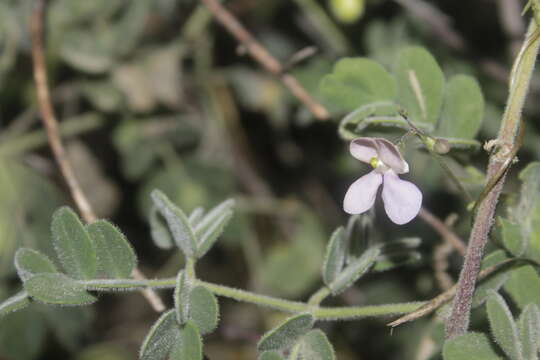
x: 53, y: 135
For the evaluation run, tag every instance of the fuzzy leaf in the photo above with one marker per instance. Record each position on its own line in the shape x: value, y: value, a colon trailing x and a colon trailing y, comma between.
x: 213, y: 216
x: 209, y: 237
x: 334, y: 259
x: 29, y: 262
x: 315, y: 346
x: 178, y: 223
x: 196, y: 216
x: 355, y: 82
x: 529, y: 331
x: 524, y: 286
x: 503, y: 327
x: 512, y: 237
x: 14, y: 303
x: 286, y: 334
x: 469, y: 346
x: 204, y: 310
x: 420, y: 84
x: 527, y: 212
x: 73, y: 245
x: 181, y: 298
x: 116, y: 257
x: 190, y: 345
x: 463, y: 108
x: 159, y: 231
x: 161, y: 338
x: 55, y: 288
x: 270, y: 355
x: 354, y: 270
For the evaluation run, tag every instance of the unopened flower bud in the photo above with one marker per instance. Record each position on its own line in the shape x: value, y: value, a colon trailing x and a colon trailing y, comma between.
x: 441, y: 146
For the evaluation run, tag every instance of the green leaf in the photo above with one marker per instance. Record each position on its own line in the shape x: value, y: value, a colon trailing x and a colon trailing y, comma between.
x: 503, y: 327
x: 463, y: 108
x: 529, y: 331
x: 220, y: 210
x: 14, y: 303
x: 270, y: 355
x: 355, y: 82
x: 354, y: 270
x: 29, y: 262
x: 73, y: 245
x: 116, y: 257
x: 287, y: 333
x: 315, y: 346
x: 196, y: 216
x: 210, y: 235
x: 159, y: 231
x: 334, y: 259
x: 161, y: 338
x: 178, y: 223
x: 512, y: 237
x: 190, y: 345
x: 204, y: 310
x: 182, y: 298
x: 530, y: 191
x: 469, y: 346
x: 420, y: 85
x: 55, y: 288
x: 88, y: 51
x: 524, y: 286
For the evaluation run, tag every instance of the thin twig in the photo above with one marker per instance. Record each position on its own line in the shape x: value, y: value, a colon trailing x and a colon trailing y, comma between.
x: 264, y: 58
x: 443, y: 230
x: 51, y: 126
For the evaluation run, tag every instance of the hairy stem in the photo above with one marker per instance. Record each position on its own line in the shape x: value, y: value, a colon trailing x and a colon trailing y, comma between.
x: 507, y: 144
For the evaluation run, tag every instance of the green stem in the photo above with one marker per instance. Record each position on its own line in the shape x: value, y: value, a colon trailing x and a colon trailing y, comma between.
x: 320, y: 313
x: 319, y: 296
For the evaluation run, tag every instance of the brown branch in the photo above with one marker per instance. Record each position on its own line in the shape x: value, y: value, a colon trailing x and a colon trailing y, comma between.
x: 51, y: 127
x: 443, y: 230
x: 264, y: 58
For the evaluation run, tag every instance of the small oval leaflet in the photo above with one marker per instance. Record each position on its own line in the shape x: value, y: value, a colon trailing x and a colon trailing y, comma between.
x: 286, y: 334
x: 56, y: 288
x: 29, y: 262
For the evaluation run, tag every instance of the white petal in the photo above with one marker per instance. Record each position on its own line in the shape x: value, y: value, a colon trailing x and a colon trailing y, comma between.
x: 402, y: 199
x: 361, y: 194
x: 391, y: 157
x: 364, y: 149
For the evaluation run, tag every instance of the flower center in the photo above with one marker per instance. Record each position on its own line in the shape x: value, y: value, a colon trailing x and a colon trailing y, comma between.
x: 378, y: 165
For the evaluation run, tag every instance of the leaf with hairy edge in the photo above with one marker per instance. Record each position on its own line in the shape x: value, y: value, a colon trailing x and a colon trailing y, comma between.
x: 315, y: 346
x: 355, y: 82
x: 57, y: 289
x: 73, y: 245
x: 161, y: 338
x: 181, y: 298
x: 212, y: 233
x: 463, y: 109
x: 469, y: 346
x: 287, y: 333
x: 524, y: 286
x: 503, y: 327
x: 159, y: 231
x: 116, y: 257
x: 178, y: 223
x: 190, y: 345
x: 354, y: 270
x: 420, y: 84
x: 196, y: 216
x: 270, y: 355
x: 29, y: 262
x: 334, y: 259
x: 204, y: 309
x: 213, y: 216
x: 14, y: 303
x: 529, y: 331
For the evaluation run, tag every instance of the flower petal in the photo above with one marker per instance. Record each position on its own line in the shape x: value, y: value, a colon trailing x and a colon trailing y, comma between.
x: 402, y: 199
x: 364, y: 149
x: 361, y: 194
x: 390, y: 156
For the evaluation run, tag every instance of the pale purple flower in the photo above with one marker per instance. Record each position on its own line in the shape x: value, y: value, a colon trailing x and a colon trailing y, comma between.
x: 402, y: 199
